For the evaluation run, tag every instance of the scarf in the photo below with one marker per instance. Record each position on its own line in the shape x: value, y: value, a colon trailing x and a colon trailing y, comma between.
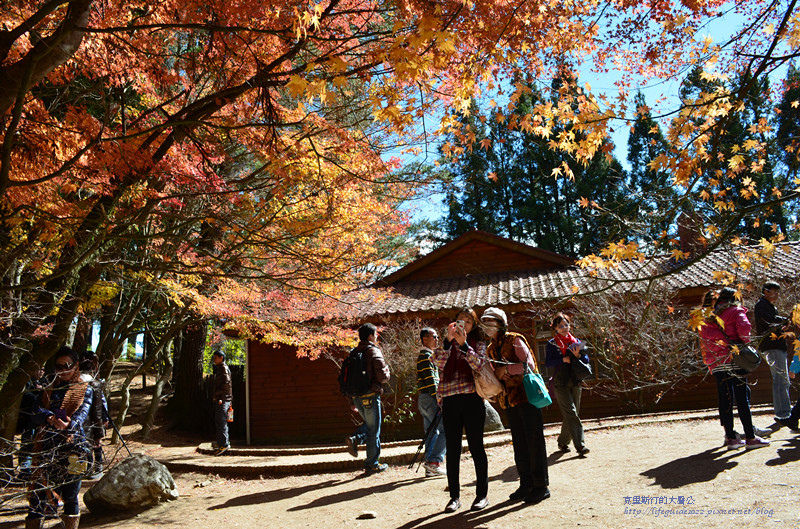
x: 563, y: 342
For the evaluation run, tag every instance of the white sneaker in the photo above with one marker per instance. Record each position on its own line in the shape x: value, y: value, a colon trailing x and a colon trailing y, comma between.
x: 433, y: 470
x: 761, y: 432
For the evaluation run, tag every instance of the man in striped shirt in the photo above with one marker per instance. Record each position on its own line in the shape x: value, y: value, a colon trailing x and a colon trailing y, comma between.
x: 427, y: 382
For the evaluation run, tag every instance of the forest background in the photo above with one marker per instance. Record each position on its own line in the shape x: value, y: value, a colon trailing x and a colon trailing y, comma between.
x: 181, y: 170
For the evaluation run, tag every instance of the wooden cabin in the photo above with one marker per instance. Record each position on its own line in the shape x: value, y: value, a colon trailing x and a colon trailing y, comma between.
x: 297, y: 400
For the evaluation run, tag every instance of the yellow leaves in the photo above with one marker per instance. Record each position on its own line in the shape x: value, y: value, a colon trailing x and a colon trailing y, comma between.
x: 492, y: 176
x: 735, y: 162
x: 679, y: 255
x: 795, y: 104
x: 696, y: 318
x: 297, y: 86
x: 485, y: 144
x: 723, y: 277
x: 584, y: 202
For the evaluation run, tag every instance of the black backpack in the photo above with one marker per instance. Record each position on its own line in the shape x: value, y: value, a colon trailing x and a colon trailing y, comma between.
x: 354, y: 379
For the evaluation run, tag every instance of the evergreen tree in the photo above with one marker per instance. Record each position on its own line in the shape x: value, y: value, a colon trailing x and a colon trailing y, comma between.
x: 650, y: 193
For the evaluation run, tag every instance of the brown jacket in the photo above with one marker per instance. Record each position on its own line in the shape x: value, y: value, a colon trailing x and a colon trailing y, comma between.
x: 377, y: 369
x: 223, y: 388
x: 515, y: 391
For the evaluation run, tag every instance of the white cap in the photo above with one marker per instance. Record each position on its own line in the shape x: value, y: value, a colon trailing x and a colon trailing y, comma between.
x: 494, y: 313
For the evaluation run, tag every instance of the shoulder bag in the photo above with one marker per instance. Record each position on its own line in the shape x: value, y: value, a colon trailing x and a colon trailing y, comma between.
x: 535, y: 388
x: 743, y: 355
x: 746, y: 358
x: 486, y: 383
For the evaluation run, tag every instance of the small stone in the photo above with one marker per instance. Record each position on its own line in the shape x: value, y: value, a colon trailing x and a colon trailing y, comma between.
x: 367, y: 515
x: 205, y: 483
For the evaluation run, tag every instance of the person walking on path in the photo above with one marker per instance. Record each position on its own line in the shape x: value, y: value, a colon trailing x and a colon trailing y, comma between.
x: 511, y: 353
x: 770, y: 326
x: 223, y: 400
x: 728, y: 324
x: 463, y: 410
x: 368, y: 405
x: 427, y: 382
x: 560, y: 352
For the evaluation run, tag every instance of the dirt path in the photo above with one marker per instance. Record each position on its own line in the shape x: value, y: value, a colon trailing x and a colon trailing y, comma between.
x: 678, y: 469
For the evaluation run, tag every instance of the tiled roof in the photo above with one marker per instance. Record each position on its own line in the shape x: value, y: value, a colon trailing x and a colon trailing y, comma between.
x: 510, y: 288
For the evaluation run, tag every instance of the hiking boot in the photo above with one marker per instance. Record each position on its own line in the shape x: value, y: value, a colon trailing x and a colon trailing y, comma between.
x: 755, y: 442
x: 380, y: 467
x: 520, y: 493
x: 352, y: 446
x: 433, y: 470
x: 538, y: 495
x: 733, y: 444
x: 221, y: 450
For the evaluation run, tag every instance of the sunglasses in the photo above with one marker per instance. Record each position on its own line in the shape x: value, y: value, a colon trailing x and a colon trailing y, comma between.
x: 64, y: 367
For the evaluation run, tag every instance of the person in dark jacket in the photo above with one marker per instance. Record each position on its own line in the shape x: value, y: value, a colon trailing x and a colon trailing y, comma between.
x: 770, y: 327
x: 369, y: 404
x: 223, y: 400
x: 98, y: 412
x: 61, y: 448
x: 27, y: 407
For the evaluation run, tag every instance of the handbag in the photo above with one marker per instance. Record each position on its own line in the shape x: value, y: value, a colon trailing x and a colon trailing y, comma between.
x: 535, y: 388
x: 486, y: 383
x: 747, y: 358
x: 581, y: 369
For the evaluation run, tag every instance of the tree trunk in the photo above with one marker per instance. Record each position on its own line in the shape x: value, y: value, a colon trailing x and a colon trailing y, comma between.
x: 83, y: 335
x: 183, y: 405
x: 165, y: 373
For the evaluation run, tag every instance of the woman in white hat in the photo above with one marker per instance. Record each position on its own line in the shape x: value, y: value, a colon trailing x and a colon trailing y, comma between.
x: 511, y: 353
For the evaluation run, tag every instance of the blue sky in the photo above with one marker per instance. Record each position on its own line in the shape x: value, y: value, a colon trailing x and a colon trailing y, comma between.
x: 719, y: 29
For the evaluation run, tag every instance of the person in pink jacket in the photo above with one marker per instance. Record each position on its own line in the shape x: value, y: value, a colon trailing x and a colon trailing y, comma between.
x: 728, y: 324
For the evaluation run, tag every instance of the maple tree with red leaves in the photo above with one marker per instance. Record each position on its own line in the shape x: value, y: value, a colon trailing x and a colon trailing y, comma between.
x: 234, y: 160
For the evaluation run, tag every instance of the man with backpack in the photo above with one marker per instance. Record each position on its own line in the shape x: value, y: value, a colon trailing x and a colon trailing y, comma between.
x: 364, y: 372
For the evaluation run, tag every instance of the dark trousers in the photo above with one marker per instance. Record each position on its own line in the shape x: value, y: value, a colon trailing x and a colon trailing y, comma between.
x: 465, y: 412
x: 530, y: 454
x: 68, y: 492
x: 732, y: 387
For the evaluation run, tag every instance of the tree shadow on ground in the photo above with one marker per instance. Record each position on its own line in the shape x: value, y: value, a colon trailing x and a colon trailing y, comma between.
x: 697, y: 468
x: 464, y: 518
x: 357, y: 493
x: 788, y: 453
x: 271, y: 495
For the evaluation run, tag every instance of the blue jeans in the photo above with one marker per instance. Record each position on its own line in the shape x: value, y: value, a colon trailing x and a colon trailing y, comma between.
x: 221, y: 422
x: 779, y: 367
x: 369, y: 433
x: 435, y: 446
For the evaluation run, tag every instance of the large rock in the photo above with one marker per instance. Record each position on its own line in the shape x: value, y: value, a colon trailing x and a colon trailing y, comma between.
x: 493, y: 422
x: 137, y: 482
